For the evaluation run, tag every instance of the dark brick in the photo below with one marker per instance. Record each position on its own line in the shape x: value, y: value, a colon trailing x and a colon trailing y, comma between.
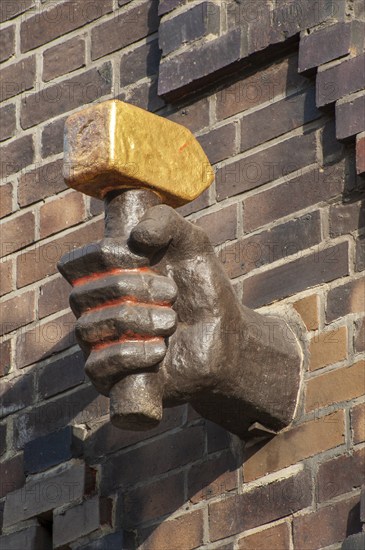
x: 220, y: 226
x: 12, y: 475
x: 82, y: 405
x: 194, y: 116
x: 144, y: 95
x: 60, y: 19
x: 196, y: 22
x: 124, y: 29
x: 106, y: 438
x: 96, y: 206
x: 345, y: 299
x: 11, y: 8
x: 268, y: 165
x: 360, y: 154
x: 269, y: 246
x: 135, y: 466
x: 321, y: 267
x: 113, y: 541
x: 52, y: 138
x: 188, y: 70
x: 139, y: 63
x: 61, y: 375
x: 7, y: 43
x: 17, y: 78
x: 218, y: 438
x: 166, y: 6
x: 7, y: 119
x: 35, y: 537
x: 22, y: 227
x: 44, y: 181
x: 200, y: 203
x: 332, y: 149
x: 219, y: 143
x: 63, y: 485
x: 305, y: 190
x: 329, y: 43
x: 354, y: 542
x: 341, y: 475
x: 360, y: 254
x: 182, y: 533
x: 6, y: 199
x: 359, y: 336
x: 5, y: 357
x: 341, y: 80
x: 2, y: 443
x: 328, y: 525
x: 17, y: 155
x: 151, y: 501
x: 350, y: 117
x: 53, y: 297
x: 17, y: 312
x: 79, y: 521
x: 261, y: 505
x: 65, y: 96
x: 216, y: 475
x: 63, y: 58
x: 43, y: 453
x: 278, y: 118
x: 16, y: 394
x: 345, y: 218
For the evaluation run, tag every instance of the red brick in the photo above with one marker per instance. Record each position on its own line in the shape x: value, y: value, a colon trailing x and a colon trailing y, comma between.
x: 358, y: 423
x: 60, y: 19
x: 11, y: 8
x: 328, y: 525
x: 350, y: 116
x: 259, y: 168
x: 6, y: 199
x: 63, y: 58
x: 18, y: 154
x: 44, y: 339
x: 360, y: 154
x: 329, y: 43
x: 52, y: 138
x: 7, y: 43
x: 8, y: 122
x: 53, y: 296
x: 61, y: 213
x: 80, y: 520
x: 66, y: 95
x: 16, y: 233
x: 124, y: 29
x: 359, y: 335
x: 269, y: 246
x: 262, y: 504
x: 345, y: 299
x: 304, y: 190
x: 273, y: 538
x: 42, y: 182
x: 5, y: 357
x: 215, y: 476
x: 37, y: 263
x: 134, y: 466
x: 17, y: 78
x: 151, y: 501
x: 17, y: 312
x: 288, y: 279
x: 278, y: 118
x: 182, y: 533
x: 341, y: 475
x: 12, y: 475
x: 6, y: 276
x: 16, y: 394
x: 61, y: 374
x: 219, y: 144
x: 220, y: 226
x: 341, y: 80
x: 260, y: 87
x: 133, y: 66
x: 345, y: 218
x: 49, y: 490
x: 194, y: 116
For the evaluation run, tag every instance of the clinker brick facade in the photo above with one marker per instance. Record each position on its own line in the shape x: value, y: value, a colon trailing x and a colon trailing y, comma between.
x: 274, y: 92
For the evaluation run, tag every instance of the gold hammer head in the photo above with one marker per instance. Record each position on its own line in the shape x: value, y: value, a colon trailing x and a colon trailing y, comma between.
x: 115, y: 145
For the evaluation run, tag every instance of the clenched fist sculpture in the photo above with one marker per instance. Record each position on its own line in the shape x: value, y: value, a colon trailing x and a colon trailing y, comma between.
x: 160, y: 324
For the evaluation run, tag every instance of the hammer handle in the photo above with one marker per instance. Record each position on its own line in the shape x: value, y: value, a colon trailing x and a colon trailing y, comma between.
x: 136, y: 400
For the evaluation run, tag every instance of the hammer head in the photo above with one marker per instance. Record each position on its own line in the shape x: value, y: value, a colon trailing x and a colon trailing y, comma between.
x: 115, y: 145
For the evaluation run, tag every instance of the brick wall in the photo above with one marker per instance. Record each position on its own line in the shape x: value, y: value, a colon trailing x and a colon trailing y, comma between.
x: 274, y: 92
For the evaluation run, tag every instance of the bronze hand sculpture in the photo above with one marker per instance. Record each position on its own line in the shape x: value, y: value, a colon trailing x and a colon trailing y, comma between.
x: 160, y: 324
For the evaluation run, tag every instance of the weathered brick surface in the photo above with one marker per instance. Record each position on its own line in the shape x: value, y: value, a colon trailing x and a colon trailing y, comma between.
x: 308, y: 309
x: 64, y: 58
x: 144, y: 95
x: 130, y: 26
x: 329, y: 525
x: 7, y: 42
x: 308, y: 271
x: 8, y: 122
x: 61, y: 375
x: 360, y: 153
x: 46, y: 25
x: 52, y: 138
x: 220, y: 226
x: 341, y: 80
x: 53, y: 449
x: 214, y: 476
x: 5, y: 357
x: 358, y: 423
x: 53, y: 297
x: 166, y: 6
x: 22, y: 226
x: 17, y: 78
x: 275, y: 538
x: 113, y: 541
x: 6, y: 275
x: 219, y: 144
x: 360, y: 254
x: 16, y: 155
x: 41, y: 182
x: 344, y: 299
x: 328, y: 347
x: 16, y: 393
x: 61, y: 213
x: 294, y: 445
x: 17, y: 312
x: 67, y: 95
x: 359, y: 335
x: 3, y: 429
x: 34, y: 537
x: 341, y: 475
x: 133, y: 65
x: 182, y: 533
x: 194, y: 116
x: 345, y: 218
x: 12, y: 475
x: 261, y: 505
x: 350, y: 116
x: 6, y: 199
x: 11, y: 8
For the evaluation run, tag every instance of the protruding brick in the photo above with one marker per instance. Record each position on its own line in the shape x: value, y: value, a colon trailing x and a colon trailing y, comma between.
x: 43, y: 453
x: 358, y: 423
x: 16, y: 155
x: 350, y: 116
x: 61, y: 213
x: 17, y: 312
x: 61, y: 375
x: 345, y: 299
x: 336, y: 386
x: 294, y: 445
x: 182, y: 533
x: 341, y: 475
x: 63, y: 58
x: 308, y: 309
x: 12, y: 475
x: 341, y: 80
x: 34, y: 537
x: 360, y: 153
x: 16, y: 233
x: 328, y: 348
x: 7, y: 43
x: 44, y: 181
x: 275, y: 538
